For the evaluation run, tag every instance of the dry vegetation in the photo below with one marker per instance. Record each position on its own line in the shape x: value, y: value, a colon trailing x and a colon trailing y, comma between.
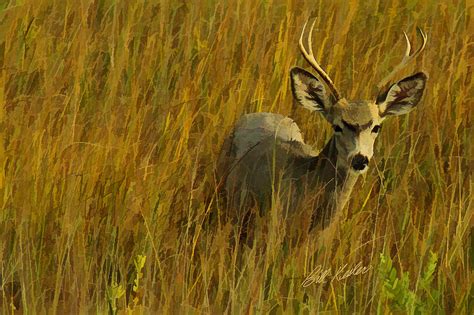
x: 112, y: 117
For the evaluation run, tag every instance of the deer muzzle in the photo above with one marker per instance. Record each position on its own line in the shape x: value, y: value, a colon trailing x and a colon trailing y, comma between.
x: 359, y: 162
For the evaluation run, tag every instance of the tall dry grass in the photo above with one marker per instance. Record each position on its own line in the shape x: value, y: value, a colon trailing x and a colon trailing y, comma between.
x: 113, y: 113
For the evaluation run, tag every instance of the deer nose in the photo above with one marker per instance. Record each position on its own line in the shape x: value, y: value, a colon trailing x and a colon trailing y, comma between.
x: 359, y: 162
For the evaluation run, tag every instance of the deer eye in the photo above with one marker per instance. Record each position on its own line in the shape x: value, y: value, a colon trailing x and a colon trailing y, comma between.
x: 376, y: 129
x: 337, y: 128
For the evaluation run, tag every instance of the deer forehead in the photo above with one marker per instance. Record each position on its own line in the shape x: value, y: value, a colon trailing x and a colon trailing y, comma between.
x: 360, y: 113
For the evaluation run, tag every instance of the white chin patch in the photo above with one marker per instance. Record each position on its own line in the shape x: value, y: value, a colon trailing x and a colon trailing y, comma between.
x: 358, y: 172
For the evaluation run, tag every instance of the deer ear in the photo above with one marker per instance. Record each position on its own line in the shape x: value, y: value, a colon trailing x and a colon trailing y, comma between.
x: 402, y: 97
x: 308, y: 90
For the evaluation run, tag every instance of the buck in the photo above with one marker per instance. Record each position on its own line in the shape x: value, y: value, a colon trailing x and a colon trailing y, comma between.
x: 266, y: 154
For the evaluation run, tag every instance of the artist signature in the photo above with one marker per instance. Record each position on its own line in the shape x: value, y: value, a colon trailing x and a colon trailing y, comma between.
x: 322, y: 275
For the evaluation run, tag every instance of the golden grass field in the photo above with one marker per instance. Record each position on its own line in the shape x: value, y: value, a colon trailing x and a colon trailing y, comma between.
x: 112, y: 117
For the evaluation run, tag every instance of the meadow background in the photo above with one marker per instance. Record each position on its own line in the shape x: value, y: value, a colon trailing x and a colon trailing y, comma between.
x: 112, y: 116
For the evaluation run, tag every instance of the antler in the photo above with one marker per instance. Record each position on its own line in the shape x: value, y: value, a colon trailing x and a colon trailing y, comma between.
x: 406, y: 58
x: 312, y: 61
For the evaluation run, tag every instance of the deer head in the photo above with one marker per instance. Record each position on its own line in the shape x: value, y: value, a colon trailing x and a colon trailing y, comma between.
x: 356, y: 123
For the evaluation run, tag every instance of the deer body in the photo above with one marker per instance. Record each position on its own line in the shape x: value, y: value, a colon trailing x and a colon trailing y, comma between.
x: 266, y: 154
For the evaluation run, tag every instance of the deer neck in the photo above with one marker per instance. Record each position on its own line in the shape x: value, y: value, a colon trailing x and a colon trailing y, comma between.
x: 335, y: 177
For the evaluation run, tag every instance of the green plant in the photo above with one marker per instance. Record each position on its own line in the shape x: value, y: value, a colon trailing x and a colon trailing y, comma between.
x: 139, y: 263
x: 396, y: 293
x: 114, y: 292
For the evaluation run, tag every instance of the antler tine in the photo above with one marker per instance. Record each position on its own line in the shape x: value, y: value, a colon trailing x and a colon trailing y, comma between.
x: 408, y: 50
x: 407, y: 58
x: 423, y: 44
x: 312, y: 61
x: 310, y: 38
